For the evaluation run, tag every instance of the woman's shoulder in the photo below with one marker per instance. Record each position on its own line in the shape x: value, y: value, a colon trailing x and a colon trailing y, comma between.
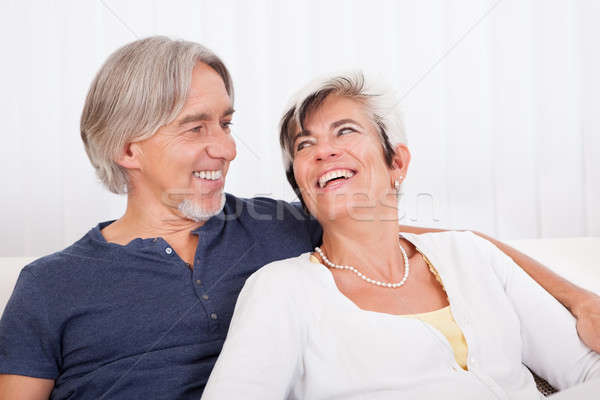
x: 283, y: 285
x: 464, y: 245
x: 462, y: 238
x: 286, y: 273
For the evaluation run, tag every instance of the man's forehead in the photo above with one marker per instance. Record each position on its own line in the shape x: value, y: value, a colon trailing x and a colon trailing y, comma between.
x: 207, y: 94
x: 205, y: 79
x: 215, y: 105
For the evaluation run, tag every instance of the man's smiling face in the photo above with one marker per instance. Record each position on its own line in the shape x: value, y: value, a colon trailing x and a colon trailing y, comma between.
x: 185, y: 163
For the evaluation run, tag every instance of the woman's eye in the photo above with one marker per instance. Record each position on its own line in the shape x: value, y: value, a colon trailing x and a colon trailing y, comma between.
x: 345, y: 131
x: 302, y: 145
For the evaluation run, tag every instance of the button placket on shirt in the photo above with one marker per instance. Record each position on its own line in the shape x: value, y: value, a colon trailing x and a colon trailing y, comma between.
x: 199, y: 287
x: 463, y: 318
x: 443, y: 342
x: 460, y: 318
x: 200, y: 290
x: 206, y: 301
x: 460, y: 312
x: 168, y: 250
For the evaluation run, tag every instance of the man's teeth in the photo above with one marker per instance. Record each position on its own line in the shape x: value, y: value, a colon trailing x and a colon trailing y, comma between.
x: 210, y: 175
x: 338, y: 173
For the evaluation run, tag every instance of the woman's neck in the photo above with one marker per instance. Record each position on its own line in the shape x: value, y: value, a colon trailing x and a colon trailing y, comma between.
x: 370, y: 246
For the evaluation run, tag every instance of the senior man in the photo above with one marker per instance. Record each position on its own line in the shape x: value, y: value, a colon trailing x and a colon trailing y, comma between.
x: 139, y: 307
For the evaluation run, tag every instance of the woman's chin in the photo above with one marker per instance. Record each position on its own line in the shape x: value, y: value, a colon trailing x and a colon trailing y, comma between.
x: 342, y: 211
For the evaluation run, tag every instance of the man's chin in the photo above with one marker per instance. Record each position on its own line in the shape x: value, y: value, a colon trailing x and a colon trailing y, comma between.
x: 198, y: 211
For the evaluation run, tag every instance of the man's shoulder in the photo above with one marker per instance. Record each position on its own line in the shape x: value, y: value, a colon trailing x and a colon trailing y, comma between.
x: 265, y: 211
x: 274, y: 221
x: 85, y: 251
x: 263, y: 206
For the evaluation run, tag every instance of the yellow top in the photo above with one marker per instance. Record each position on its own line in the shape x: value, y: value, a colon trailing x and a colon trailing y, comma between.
x: 443, y: 321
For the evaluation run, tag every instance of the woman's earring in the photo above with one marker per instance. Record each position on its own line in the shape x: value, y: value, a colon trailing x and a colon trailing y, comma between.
x: 397, y: 184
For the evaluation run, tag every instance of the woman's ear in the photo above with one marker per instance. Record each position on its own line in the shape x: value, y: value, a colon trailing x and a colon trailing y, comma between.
x: 130, y: 157
x: 400, y: 162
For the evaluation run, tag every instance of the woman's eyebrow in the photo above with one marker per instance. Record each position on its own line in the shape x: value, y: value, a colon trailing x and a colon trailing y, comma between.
x: 304, y: 132
x: 342, y: 122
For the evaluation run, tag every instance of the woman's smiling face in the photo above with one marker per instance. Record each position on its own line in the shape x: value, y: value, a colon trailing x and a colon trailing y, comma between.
x: 339, y: 162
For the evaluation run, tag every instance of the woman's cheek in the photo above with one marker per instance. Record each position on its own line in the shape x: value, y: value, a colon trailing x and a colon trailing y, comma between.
x: 300, y: 175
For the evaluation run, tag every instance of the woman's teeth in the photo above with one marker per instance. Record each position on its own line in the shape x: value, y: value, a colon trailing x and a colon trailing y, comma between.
x: 338, y: 173
x: 210, y: 175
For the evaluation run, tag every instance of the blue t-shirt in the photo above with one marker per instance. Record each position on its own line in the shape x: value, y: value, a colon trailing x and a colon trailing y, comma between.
x: 107, y: 321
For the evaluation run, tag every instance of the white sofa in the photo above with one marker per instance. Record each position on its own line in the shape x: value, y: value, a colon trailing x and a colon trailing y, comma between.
x: 577, y: 259
x: 9, y: 272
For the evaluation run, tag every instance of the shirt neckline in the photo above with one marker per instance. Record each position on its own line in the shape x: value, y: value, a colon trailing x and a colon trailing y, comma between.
x: 330, y: 281
x: 214, y: 224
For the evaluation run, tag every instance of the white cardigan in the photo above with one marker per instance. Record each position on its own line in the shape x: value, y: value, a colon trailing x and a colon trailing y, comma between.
x: 294, y: 335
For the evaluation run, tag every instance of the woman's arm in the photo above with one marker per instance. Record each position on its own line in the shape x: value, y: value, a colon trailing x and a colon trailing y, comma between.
x: 550, y: 345
x: 583, y: 304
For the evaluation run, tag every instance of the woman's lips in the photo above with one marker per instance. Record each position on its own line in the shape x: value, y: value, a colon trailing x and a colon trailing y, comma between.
x: 334, y: 174
x: 335, y: 184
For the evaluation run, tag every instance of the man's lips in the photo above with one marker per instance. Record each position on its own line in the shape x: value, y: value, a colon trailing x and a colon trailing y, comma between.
x: 209, y: 178
x: 210, y: 175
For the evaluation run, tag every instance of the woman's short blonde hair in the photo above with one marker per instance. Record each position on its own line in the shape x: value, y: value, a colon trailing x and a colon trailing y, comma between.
x: 141, y: 87
x: 379, y: 101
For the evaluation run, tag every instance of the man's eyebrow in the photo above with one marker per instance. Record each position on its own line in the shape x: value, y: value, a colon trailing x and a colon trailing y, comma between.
x: 202, y: 117
x: 344, y: 121
x: 193, y: 118
x: 228, y: 112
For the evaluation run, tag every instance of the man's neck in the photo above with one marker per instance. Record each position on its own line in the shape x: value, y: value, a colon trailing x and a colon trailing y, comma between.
x: 147, y: 220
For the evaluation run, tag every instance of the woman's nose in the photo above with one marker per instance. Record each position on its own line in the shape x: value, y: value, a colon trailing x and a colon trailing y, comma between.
x: 327, y: 152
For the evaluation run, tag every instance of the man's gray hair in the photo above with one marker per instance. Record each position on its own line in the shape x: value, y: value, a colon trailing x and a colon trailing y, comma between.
x: 141, y: 87
x: 379, y: 101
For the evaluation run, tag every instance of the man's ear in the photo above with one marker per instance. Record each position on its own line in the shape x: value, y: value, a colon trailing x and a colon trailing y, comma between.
x: 130, y: 157
x: 400, y: 161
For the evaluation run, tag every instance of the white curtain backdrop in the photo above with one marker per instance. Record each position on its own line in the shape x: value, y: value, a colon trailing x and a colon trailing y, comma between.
x: 500, y: 98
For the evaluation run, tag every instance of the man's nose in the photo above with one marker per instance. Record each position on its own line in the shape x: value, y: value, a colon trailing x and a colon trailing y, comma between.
x: 222, y: 146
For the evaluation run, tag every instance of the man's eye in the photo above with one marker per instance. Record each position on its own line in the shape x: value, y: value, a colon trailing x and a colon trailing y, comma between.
x: 226, y: 124
x: 196, y: 129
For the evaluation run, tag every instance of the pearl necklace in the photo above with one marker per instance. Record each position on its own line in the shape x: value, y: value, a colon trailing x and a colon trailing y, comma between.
x: 363, y: 277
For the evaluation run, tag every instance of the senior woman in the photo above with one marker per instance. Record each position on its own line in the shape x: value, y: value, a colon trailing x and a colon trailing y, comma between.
x: 375, y: 313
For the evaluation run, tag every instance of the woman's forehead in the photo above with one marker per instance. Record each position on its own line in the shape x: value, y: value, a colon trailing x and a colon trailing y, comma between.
x: 334, y: 108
